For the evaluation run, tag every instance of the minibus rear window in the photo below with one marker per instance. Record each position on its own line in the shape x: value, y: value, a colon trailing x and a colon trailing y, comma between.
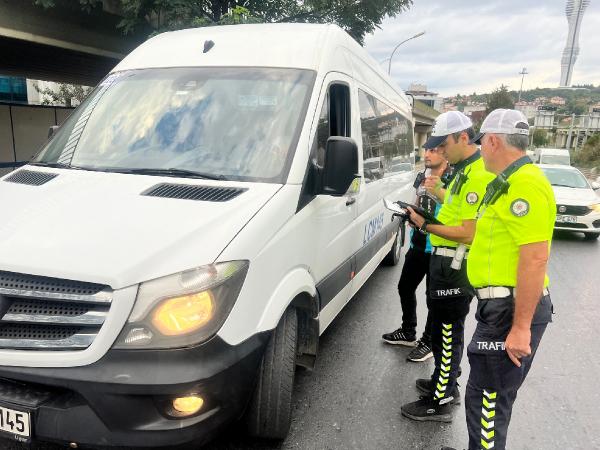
x: 231, y: 123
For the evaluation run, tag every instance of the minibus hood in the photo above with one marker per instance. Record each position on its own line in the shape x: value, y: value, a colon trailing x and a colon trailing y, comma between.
x: 100, y: 227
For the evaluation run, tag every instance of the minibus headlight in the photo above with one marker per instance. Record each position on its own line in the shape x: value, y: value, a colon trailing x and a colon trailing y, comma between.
x: 595, y: 207
x: 183, y: 309
x: 182, y: 315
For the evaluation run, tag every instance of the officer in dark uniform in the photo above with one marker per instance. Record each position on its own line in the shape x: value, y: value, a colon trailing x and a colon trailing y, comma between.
x: 507, y: 268
x: 449, y: 290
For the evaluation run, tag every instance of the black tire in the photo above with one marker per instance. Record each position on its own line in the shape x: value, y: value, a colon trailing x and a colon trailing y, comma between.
x: 591, y: 236
x: 270, y: 411
x: 393, y: 257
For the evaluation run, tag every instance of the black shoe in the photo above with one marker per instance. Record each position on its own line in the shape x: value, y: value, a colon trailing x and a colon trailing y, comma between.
x: 425, y: 386
x: 422, y: 352
x: 427, y: 409
x: 400, y: 337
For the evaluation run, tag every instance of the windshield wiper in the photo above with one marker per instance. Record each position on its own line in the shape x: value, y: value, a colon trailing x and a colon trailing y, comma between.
x: 50, y: 164
x: 57, y: 165
x: 173, y: 172
x: 565, y: 185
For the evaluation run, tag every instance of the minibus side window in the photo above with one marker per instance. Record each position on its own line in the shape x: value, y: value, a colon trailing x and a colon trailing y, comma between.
x: 372, y: 161
x: 334, y: 119
x: 387, y: 139
x: 322, y: 132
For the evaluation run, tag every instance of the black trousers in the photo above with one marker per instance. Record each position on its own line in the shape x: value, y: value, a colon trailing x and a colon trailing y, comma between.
x: 449, y: 297
x: 415, y: 268
x: 494, y: 379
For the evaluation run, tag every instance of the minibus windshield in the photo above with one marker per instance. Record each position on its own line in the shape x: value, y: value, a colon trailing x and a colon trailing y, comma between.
x: 219, y: 123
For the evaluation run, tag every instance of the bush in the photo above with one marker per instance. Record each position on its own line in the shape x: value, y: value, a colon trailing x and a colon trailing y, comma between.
x: 589, y: 155
x: 540, y: 138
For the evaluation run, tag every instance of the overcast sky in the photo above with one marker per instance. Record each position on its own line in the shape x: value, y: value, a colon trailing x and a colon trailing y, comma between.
x: 473, y: 45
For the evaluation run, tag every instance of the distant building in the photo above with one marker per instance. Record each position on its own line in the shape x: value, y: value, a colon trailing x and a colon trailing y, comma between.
x: 529, y: 109
x: 449, y: 107
x: 559, y: 101
x: 470, y: 109
x: 431, y: 99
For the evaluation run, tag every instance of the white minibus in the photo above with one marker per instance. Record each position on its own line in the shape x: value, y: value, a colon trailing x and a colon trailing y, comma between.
x: 178, y: 246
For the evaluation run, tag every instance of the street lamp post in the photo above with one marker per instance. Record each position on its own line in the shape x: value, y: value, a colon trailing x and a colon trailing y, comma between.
x: 522, y: 73
x: 396, y: 48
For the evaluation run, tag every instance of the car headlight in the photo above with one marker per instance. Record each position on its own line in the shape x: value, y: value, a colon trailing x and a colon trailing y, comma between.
x: 595, y: 207
x: 183, y: 309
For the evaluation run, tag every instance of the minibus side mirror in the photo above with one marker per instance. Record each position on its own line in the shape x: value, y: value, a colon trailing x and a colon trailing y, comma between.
x: 595, y: 185
x: 340, y: 167
x: 52, y: 130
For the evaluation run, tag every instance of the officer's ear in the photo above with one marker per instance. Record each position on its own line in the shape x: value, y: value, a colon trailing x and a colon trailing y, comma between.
x: 495, y: 142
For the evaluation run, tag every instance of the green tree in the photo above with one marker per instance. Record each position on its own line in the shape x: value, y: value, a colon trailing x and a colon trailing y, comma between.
x: 64, y: 94
x: 500, y: 98
x: 576, y: 106
x: 589, y: 155
x: 358, y: 17
x: 540, y: 138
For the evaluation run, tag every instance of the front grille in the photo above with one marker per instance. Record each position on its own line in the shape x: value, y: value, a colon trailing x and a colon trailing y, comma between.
x: 572, y: 210
x: 36, y: 332
x: 10, y: 280
x: 191, y: 192
x: 570, y: 225
x: 30, y: 177
x: 42, y: 313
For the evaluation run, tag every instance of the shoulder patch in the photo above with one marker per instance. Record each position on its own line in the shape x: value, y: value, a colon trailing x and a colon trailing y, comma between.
x: 472, y: 198
x: 519, y: 207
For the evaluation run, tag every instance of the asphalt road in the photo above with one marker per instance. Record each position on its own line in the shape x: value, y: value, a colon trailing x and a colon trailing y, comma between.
x: 352, y: 399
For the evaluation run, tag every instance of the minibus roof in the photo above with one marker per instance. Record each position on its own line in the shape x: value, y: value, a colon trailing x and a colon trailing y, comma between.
x: 322, y: 48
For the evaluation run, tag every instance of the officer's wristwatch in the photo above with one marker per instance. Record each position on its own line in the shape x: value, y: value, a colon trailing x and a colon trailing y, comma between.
x: 423, y: 228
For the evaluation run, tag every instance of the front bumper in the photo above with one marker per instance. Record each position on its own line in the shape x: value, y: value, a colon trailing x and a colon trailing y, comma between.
x: 122, y: 399
x: 589, y: 223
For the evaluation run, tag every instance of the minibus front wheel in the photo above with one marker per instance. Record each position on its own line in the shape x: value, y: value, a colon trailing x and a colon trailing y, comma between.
x: 393, y: 257
x: 270, y: 410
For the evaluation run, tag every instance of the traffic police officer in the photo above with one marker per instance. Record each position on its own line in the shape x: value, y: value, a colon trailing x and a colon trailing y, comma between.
x: 507, y: 268
x: 449, y: 291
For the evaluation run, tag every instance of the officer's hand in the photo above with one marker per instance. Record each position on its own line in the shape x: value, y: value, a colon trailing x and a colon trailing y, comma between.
x: 518, y: 344
x: 432, y: 184
x: 416, y: 219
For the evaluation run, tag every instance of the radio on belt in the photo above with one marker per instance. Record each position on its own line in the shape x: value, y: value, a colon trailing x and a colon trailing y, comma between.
x: 461, y: 251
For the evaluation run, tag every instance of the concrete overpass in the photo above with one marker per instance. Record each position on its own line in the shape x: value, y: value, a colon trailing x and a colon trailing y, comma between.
x: 424, y: 117
x: 62, y: 43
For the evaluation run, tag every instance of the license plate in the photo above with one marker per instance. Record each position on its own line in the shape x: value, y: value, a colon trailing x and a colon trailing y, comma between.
x: 566, y: 219
x: 15, y: 423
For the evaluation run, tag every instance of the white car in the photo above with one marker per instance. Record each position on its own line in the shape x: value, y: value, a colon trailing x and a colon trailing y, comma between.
x: 577, y: 203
